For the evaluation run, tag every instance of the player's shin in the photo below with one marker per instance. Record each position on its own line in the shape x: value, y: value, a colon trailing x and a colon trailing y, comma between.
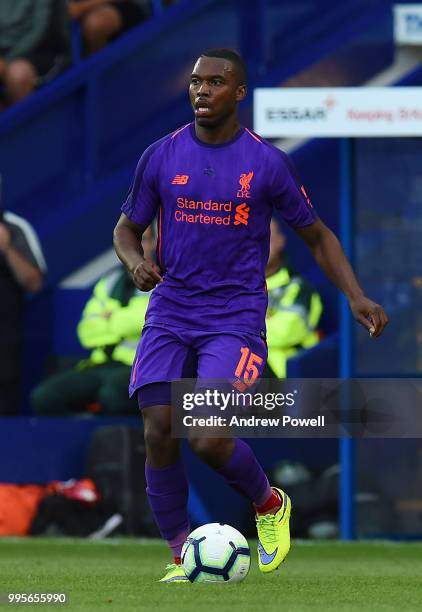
x: 167, y: 490
x: 272, y: 506
x: 244, y: 473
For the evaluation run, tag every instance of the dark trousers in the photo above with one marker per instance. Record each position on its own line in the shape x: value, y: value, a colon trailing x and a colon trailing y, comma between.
x: 10, y: 374
x: 102, y: 389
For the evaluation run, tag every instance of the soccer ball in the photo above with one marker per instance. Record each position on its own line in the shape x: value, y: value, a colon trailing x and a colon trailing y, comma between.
x: 216, y: 553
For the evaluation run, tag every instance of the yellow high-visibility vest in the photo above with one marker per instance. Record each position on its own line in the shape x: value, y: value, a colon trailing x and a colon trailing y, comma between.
x: 109, y: 327
x: 294, y: 311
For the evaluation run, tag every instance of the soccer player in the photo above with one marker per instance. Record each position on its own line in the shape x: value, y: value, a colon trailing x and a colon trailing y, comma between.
x: 214, y: 185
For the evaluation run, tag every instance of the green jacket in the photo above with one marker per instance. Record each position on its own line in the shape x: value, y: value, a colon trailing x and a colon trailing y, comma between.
x: 112, y: 319
x: 293, y: 313
x: 25, y: 23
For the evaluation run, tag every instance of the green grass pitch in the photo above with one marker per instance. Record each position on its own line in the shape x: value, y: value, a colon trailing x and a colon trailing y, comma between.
x: 122, y: 575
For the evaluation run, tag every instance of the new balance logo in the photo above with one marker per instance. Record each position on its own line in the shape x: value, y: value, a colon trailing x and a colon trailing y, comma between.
x: 180, y: 179
x: 242, y: 214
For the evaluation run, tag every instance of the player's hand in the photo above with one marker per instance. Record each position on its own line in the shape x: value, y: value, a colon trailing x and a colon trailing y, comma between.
x: 369, y: 314
x: 146, y: 275
x: 5, y: 238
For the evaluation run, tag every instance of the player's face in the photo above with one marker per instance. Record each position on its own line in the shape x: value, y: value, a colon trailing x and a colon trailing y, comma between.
x: 214, y: 91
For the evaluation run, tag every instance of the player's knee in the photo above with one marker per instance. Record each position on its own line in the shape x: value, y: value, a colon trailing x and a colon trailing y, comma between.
x: 157, y: 431
x: 214, y: 451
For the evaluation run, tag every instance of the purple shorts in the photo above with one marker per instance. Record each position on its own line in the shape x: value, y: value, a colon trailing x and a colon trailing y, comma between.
x: 169, y: 353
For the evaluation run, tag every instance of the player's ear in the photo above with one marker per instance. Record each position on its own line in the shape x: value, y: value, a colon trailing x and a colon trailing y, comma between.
x: 241, y: 92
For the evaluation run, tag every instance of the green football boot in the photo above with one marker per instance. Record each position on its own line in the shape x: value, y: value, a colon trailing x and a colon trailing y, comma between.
x: 174, y: 573
x: 274, y: 535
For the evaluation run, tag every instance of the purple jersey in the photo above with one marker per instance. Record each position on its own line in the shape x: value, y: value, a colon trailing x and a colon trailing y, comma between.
x: 214, y: 205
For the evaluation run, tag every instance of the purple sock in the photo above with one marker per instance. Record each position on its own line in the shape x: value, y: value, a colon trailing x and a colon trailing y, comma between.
x: 177, y: 543
x: 245, y: 475
x: 167, y: 490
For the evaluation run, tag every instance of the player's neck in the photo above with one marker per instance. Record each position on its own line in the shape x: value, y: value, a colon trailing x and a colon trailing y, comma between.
x: 218, y: 134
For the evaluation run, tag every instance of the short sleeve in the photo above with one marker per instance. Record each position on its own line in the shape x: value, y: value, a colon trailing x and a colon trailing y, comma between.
x: 25, y: 240
x: 143, y: 200
x: 289, y: 196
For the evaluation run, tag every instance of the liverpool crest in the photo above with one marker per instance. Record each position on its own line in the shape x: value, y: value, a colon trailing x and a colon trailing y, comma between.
x: 245, y: 185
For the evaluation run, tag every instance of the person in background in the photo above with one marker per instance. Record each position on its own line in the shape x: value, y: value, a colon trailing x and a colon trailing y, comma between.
x: 294, y: 308
x: 109, y: 328
x: 103, y: 20
x: 34, y: 45
x: 22, y: 267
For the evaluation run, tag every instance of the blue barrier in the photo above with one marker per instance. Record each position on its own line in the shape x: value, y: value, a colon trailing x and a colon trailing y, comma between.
x: 45, y: 449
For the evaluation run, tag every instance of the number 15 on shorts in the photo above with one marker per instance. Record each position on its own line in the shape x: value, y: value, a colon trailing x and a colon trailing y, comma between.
x: 247, y: 369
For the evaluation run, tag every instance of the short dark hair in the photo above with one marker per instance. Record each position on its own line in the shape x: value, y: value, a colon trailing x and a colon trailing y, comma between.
x: 232, y: 57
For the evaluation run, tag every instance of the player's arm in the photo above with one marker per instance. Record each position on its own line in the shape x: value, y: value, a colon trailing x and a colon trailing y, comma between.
x: 331, y: 258
x: 127, y: 238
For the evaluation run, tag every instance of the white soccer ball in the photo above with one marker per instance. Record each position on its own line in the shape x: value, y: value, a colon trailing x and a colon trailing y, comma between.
x: 216, y: 553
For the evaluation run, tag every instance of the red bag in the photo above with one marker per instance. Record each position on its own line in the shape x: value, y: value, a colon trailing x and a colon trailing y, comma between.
x: 18, y: 505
